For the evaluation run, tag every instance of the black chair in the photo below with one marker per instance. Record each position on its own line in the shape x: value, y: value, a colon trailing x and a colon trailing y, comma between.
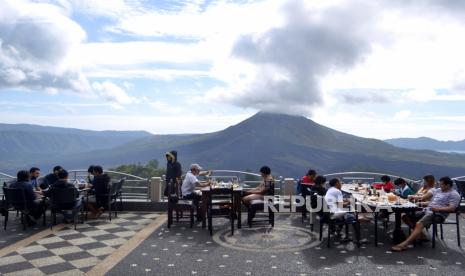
x: 325, y: 217
x: 455, y: 222
x: 111, y: 199
x: 64, y: 199
x: 221, y: 204
x: 260, y: 205
x: 176, y: 204
x: 14, y: 200
x: 460, y: 185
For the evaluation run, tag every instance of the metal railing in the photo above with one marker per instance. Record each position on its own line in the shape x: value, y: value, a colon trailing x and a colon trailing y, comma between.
x: 375, y: 177
x: 5, y: 178
x: 249, y: 180
x: 135, y: 187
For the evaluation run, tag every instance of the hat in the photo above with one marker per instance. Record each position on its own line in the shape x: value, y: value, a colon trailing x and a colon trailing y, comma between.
x: 195, y: 166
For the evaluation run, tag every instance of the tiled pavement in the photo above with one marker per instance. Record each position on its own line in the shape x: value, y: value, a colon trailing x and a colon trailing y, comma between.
x: 288, y: 249
x: 74, y: 252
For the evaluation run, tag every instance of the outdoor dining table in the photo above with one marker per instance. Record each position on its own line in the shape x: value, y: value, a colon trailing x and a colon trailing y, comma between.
x: 377, y: 203
x: 237, y: 204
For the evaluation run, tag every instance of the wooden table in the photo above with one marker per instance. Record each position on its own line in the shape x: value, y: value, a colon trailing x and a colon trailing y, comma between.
x: 398, y: 207
x: 237, y: 204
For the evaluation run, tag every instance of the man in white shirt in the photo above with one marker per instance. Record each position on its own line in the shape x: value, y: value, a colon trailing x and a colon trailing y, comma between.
x: 191, y: 182
x: 336, y: 201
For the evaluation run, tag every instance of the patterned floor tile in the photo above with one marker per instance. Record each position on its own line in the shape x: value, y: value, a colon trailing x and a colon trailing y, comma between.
x: 82, y: 241
x: 46, y: 261
x: 101, y: 251
x: 81, y: 263
x: 18, y: 266
x: 74, y: 252
x: 66, y: 250
x: 57, y: 268
x: 28, y: 272
x: 31, y: 249
x: 11, y: 260
x: 73, y: 272
x: 49, y: 240
x: 114, y: 242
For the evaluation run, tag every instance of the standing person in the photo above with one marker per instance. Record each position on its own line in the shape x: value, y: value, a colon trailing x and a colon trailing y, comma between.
x: 35, y: 173
x: 261, y: 190
x: 173, y: 173
x: 51, y: 178
x: 444, y: 200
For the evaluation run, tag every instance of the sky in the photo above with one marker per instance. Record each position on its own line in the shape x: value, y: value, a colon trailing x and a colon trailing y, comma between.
x: 374, y: 68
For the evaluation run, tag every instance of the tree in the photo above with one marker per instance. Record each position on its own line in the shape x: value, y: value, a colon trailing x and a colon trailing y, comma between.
x: 145, y: 171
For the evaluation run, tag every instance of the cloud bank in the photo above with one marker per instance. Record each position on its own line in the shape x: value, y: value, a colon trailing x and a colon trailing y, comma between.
x: 36, y: 44
x: 290, y: 60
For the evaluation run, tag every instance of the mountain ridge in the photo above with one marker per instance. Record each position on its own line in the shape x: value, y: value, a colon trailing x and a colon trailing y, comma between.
x: 290, y: 145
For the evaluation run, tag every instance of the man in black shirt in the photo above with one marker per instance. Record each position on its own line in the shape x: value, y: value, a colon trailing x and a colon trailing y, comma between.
x: 34, y: 205
x: 51, y: 178
x: 63, y: 183
x: 100, y: 188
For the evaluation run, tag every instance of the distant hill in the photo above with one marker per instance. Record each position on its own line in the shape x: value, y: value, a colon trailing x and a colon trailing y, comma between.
x: 428, y: 144
x: 23, y: 144
x: 290, y: 145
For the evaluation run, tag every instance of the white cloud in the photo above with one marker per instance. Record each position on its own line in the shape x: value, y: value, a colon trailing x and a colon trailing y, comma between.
x: 35, y: 42
x: 38, y: 46
x: 112, y: 93
x: 402, y: 115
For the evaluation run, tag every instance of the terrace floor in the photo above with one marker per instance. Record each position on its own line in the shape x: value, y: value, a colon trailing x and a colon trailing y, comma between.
x: 138, y: 243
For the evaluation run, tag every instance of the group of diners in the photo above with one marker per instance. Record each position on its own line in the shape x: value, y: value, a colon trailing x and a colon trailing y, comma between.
x: 191, y: 186
x: 38, y: 192
x: 436, y: 200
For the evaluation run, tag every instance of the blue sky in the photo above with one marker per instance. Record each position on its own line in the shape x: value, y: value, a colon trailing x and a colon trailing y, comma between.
x: 378, y: 69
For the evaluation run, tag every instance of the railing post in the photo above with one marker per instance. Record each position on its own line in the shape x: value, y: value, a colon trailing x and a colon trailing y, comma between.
x: 289, y: 186
x: 155, y: 189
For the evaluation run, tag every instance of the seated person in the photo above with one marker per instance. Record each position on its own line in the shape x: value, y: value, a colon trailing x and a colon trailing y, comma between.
x: 34, y: 174
x: 403, y: 190
x: 90, y: 174
x: 190, y: 183
x: 309, y: 178
x: 385, y: 184
x: 61, y: 184
x: 429, y: 182
x: 33, y: 203
x: 336, y: 202
x: 100, y: 189
x: 51, y: 178
x: 319, y: 187
x: 444, y: 200
x: 261, y: 190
